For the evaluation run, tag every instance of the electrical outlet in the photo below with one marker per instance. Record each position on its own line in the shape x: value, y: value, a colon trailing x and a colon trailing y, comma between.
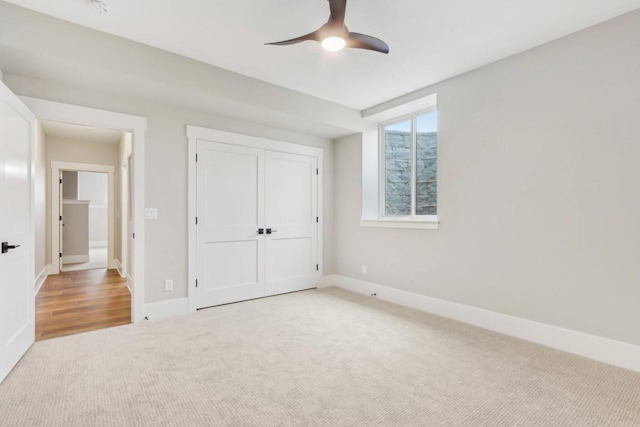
x: 168, y: 285
x: 364, y: 269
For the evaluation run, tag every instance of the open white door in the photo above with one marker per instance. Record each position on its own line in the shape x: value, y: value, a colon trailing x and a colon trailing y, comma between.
x: 17, y: 323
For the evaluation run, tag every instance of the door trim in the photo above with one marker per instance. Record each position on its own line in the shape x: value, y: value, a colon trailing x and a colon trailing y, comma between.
x: 56, y: 168
x: 195, y: 133
x: 68, y: 113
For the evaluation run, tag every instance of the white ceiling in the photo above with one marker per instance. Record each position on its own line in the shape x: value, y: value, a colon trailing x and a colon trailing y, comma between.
x: 81, y: 133
x: 430, y: 40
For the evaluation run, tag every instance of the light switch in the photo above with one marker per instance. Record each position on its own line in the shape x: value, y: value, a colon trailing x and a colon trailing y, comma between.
x: 150, y: 213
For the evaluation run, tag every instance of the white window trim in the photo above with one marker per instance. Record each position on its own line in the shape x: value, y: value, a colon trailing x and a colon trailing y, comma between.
x: 403, y: 222
x: 425, y: 222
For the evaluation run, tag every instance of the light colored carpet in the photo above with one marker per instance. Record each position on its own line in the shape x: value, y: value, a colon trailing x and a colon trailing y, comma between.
x: 97, y: 259
x: 321, y: 358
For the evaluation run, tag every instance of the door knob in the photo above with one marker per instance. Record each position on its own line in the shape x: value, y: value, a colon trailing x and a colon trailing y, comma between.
x: 6, y: 247
x: 260, y: 230
x: 269, y: 231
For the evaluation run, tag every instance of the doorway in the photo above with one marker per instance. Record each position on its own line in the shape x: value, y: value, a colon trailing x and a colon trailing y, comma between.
x: 83, y: 221
x: 84, y: 236
x: 87, y: 288
x: 135, y: 126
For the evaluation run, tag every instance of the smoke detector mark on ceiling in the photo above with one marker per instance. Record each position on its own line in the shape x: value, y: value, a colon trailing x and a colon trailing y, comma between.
x: 99, y: 6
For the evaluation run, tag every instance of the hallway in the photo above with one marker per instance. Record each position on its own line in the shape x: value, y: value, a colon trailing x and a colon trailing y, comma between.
x: 81, y: 301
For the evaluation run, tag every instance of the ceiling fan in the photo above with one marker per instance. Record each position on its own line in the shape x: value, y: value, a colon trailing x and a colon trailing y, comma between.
x: 334, y: 35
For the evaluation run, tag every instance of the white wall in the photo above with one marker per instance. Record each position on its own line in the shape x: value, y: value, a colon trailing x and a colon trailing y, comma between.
x: 538, y: 197
x: 94, y: 187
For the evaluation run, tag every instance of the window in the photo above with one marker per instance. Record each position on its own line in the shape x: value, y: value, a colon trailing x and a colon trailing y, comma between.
x: 409, y: 167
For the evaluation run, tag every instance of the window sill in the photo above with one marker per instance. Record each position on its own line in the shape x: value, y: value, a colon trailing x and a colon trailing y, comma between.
x: 421, y: 224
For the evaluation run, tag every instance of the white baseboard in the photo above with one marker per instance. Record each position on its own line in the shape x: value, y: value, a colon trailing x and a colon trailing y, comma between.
x: 129, y: 282
x: 52, y: 269
x: 165, y: 309
x: 602, y: 349
x: 98, y: 244
x: 118, y: 266
x: 41, y: 278
x: 75, y: 259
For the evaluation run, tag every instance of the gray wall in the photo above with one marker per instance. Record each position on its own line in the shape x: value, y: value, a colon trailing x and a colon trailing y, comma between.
x: 70, y: 185
x: 538, y: 190
x: 75, y: 234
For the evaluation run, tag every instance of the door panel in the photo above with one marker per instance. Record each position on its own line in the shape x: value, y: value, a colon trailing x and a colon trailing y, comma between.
x: 237, y: 192
x: 230, y: 209
x: 17, y: 328
x: 291, y: 195
x: 291, y: 258
x: 290, y: 180
x: 228, y: 261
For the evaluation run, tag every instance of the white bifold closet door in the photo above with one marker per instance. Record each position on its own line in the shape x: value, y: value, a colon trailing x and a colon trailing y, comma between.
x: 257, y: 223
x: 291, y: 200
x: 230, y: 210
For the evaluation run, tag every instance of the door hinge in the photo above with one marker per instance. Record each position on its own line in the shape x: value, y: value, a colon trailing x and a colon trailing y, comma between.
x: 134, y: 235
x: 60, y: 180
x: 317, y: 171
x: 60, y: 217
x: 196, y: 220
x: 317, y: 220
x: 60, y: 254
x: 196, y: 283
x: 196, y: 157
x: 317, y: 267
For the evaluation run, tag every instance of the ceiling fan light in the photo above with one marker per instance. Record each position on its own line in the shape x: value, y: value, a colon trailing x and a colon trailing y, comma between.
x: 333, y: 44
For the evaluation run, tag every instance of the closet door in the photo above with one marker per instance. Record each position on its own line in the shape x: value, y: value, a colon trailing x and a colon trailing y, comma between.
x: 291, y: 211
x: 230, y: 210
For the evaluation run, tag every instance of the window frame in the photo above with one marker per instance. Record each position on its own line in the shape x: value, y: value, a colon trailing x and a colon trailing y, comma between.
x: 401, y: 221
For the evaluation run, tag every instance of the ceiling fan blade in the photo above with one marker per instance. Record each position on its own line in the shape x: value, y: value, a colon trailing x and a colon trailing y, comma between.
x: 311, y: 36
x: 338, y: 10
x: 363, y: 41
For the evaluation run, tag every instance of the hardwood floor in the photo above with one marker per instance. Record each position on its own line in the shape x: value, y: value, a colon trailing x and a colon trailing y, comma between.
x: 81, y: 301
